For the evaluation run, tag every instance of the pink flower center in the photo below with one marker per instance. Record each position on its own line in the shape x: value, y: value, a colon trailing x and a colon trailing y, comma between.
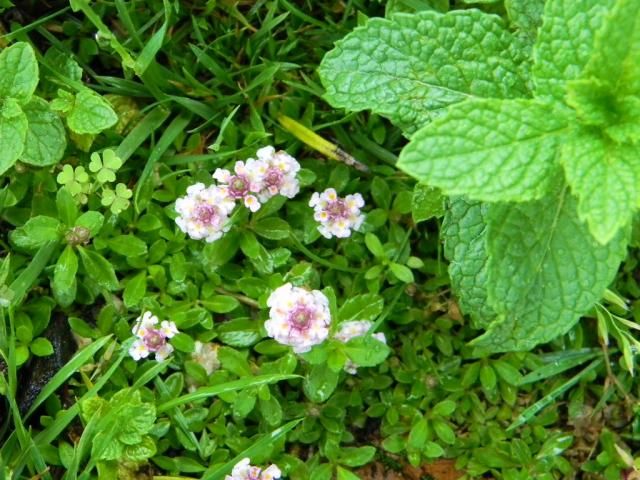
x: 238, y: 186
x: 337, y: 209
x: 273, y: 177
x: 300, y: 317
x: 206, y: 214
x: 154, y: 340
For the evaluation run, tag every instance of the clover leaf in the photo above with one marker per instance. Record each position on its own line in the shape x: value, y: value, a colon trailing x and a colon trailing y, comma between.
x: 117, y: 200
x: 76, y: 181
x: 106, y: 166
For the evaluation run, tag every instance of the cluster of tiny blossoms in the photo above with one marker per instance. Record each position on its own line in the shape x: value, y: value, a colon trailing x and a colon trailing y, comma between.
x: 337, y: 216
x: 351, y: 330
x: 299, y: 318
x: 204, y: 212
x: 152, y: 338
x: 243, y: 470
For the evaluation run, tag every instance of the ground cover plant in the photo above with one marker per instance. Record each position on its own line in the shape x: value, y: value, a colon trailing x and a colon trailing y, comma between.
x: 317, y: 240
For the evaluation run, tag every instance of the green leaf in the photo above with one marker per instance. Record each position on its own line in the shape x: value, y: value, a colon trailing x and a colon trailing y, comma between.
x: 98, y: 268
x: 401, y: 272
x: 135, y: 290
x: 220, y: 304
x: 411, y: 67
x: 464, y: 231
x: 272, y: 228
x: 46, y: 139
x: 356, y: 456
x: 526, y: 15
x: 127, y: 245
x: 13, y: 133
x: 92, y: 221
x: 565, y: 43
x: 91, y: 113
x: 545, y: 271
x: 606, y: 179
x: 490, y: 150
x: 67, y: 207
x: 36, y: 232
x: 444, y: 431
x: 418, y: 435
x: 366, y: 351
x: 18, y: 72
x: 41, y: 347
x: 361, y: 307
x: 320, y: 383
x: 64, y: 283
x: 427, y: 202
x: 342, y: 474
x: 616, y: 54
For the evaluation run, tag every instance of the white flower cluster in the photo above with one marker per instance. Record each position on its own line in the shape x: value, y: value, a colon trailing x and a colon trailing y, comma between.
x: 243, y: 470
x: 203, y: 213
x: 337, y: 216
x: 353, y: 329
x: 151, y: 338
x: 299, y: 318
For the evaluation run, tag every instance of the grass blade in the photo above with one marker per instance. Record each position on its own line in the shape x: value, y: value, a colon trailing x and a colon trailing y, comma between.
x: 78, y: 360
x: 206, y: 392
x: 548, y: 399
x: 265, y: 441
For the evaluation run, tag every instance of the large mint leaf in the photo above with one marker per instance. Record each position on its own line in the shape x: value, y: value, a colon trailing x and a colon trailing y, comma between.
x: 565, y: 43
x: 46, y: 139
x: 545, y: 271
x: 525, y: 14
x: 18, y: 72
x: 411, y: 67
x: 606, y: 179
x: 464, y: 233
x: 616, y: 56
x: 13, y: 131
x: 91, y: 113
x: 490, y: 150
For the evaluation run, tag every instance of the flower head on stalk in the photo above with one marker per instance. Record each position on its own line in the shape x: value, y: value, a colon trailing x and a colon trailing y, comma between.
x: 278, y: 171
x: 243, y: 470
x: 337, y: 216
x: 299, y: 318
x: 204, y: 212
x: 242, y: 183
x: 151, y: 337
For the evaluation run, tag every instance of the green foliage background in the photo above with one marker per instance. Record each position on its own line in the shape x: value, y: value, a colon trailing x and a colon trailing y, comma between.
x: 197, y: 85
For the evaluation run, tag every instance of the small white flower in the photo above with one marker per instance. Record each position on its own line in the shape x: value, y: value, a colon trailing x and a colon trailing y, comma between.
x: 298, y: 317
x: 353, y: 329
x: 278, y: 172
x: 206, y: 354
x: 337, y: 216
x: 204, y: 212
x: 244, y: 471
x: 152, y: 339
x: 243, y: 183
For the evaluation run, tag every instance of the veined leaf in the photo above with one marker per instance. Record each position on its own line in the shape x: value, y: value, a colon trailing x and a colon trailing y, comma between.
x: 490, y: 150
x: 565, y: 43
x: 545, y: 270
x: 616, y: 55
x: 13, y: 132
x: 411, y: 67
x: 19, y: 68
x: 606, y: 179
x: 464, y: 230
x: 46, y: 139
